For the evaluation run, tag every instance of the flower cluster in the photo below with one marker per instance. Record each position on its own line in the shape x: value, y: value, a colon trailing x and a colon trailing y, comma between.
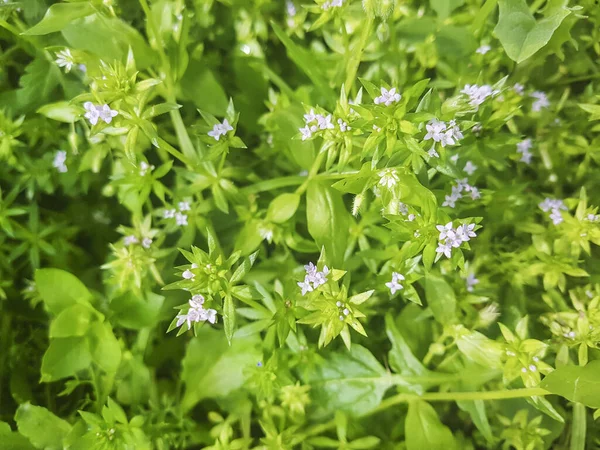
x: 318, y: 122
x: 524, y: 148
x: 60, y: 158
x: 313, y: 278
x: 478, y: 94
x: 97, y: 112
x: 445, y: 134
x: 395, y: 285
x: 541, y: 101
x: 181, y: 219
x: 332, y: 4
x: 197, y: 313
x: 388, y: 178
x: 457, y: 192
x: 450, y: 237
x: 220, y: 129
x: 133, y: 239
x: 145, y: 168
x: 555, y: 206
x: 387, y: 97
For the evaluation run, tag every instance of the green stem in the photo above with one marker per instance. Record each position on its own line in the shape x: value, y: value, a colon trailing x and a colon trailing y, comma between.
x: 431, y: 397
x: 312, y: 173
x: 578, y: 428
x: 180, y: 130
x: 162, y: 144
x: 354, y: 60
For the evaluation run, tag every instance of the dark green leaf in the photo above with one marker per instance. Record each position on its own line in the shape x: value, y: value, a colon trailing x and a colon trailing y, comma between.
x: 41, y: 427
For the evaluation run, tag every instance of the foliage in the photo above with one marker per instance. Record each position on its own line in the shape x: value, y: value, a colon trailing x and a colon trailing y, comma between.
x: 299, y: 224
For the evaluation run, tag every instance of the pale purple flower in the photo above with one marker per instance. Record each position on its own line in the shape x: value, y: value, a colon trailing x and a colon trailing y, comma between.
x: 387, y: 97
x: 395, y: 285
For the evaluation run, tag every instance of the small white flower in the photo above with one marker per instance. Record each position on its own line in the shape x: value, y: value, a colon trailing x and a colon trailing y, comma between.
x: 477, y: 94
x: 519, y: 88
x: 445, y: 231
x: 376, y: 129
x: 64, y: 58
x: 433, y: 153
x: 60, y: 157
x: 471, y: 282
x: 169, y: 213
x: 181, y: 219
x: 454, y: 128
x: 106, y: 114
x: 483, y: 49
x: 313, y: 278
x: 465, y: 232
x: 310, y: 117
x: 197, y: 301
x: 343, y: 125
x: 332, y: 4
x: 524, y: 145
x: 145, y: 168
x: 184, y: 206
x: 130, y: 240
x: 435, y: 130
x: 395, y: 285
x: 450, y: 200
x: 188, y: 274
x: 593, y: 218
x: 266, y: 233
x: 92, y: 113
x: 324, y: 123
x: 146, y: 242
x: 220, y: 129
x: 387, y: 97
x: 209, y: 315
x: 470, y: 168
x: 475, y: 194
x: 556, y: 217
x: 306, y: 133
x: 541, y: 101
x: 388, y: 178
x: 445, y: 249
x: 305, y: 286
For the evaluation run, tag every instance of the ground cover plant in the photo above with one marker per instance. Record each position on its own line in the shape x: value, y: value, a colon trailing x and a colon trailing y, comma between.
x: 297, y: 224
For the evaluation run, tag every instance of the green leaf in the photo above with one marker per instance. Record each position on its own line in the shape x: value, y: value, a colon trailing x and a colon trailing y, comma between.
x: 13, y: 440
x: 60, y: 289
x: 328, y: 221
x: 518, y: 31
x: 594, y: 110
x: 104, y: 347
x: 576, y: 383
x: 283, y: 207
x: 305, y: 60
x: 440, y: 299
x: 212, y: 368
x: 37, y: 84
x: 229, y: 317
x: 476, y: 410
x: 59, y: 16
x: 201, y: 87
x: 443, y: 8
x: 72, y: 321
x: 65, y: 357
x: 351, y: 381
x: 424, y: 430
x: 60, y: 111
x: 401, y: 357
x: 134, y: 312
x: 43, y: 429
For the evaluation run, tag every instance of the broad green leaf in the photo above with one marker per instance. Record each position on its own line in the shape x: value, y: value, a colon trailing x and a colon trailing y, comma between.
x: 60, y: 111
x: 109, y: 38
x: 401, y: 357
x: 65, y: 357
x: 13, y: 440
x: 443, y: 8
x: 59, y: 16
x: 440, y: 299
x: 104, y: 347
x: 39, y: 81
x: 60, y: 289
x: 480, y: 349
x: 350, y: 381
x: 305, y: 62
x: 72, y: 321
x: 135, y: 312
x: 283, y: 207
x: 41, y: 427
x: 212, y: 368
x: 201, y: 87
x: 328, y: 221
x: 576, y: 383
x: 518, y: 31
x: 594, y: 110
x: 424, y: 430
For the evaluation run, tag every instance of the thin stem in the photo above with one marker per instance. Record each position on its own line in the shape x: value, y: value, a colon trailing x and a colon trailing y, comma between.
x: 431, y: 397
x: 357, y: 52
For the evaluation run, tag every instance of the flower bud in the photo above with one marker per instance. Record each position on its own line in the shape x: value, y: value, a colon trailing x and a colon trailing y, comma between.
x: 379, y: 8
